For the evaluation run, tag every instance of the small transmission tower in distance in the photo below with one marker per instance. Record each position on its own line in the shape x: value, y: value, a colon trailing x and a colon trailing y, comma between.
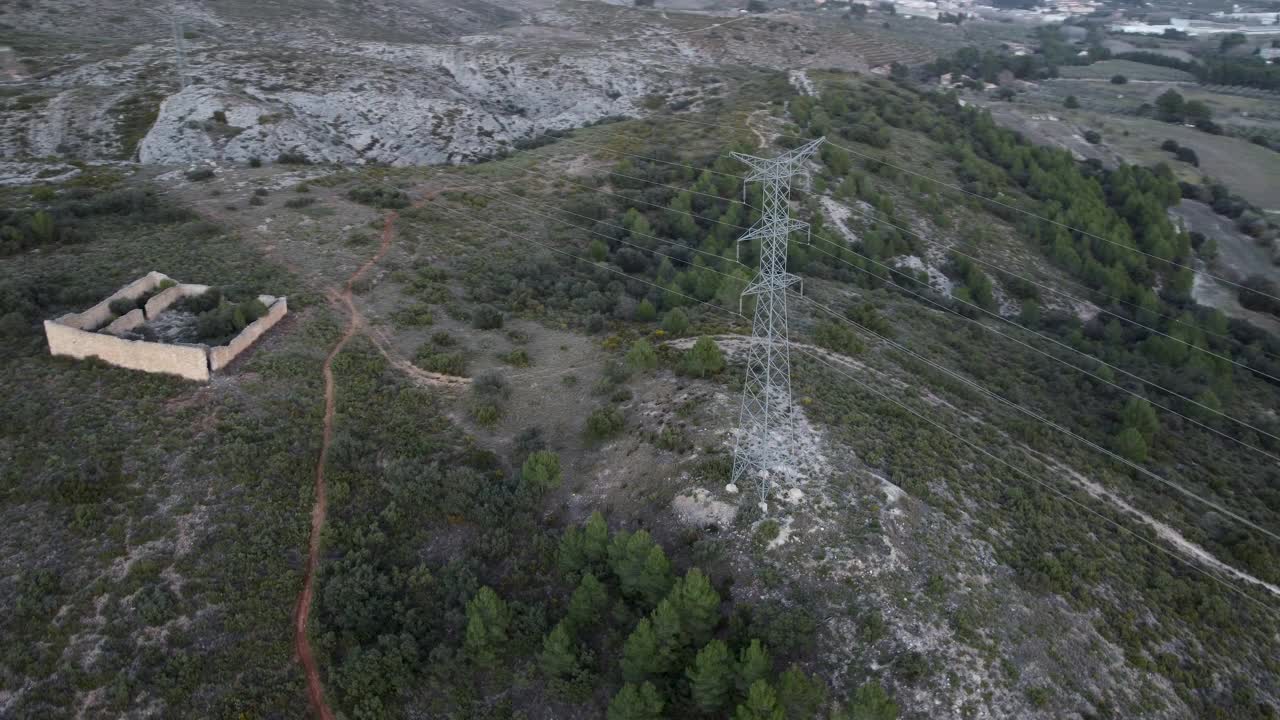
x: 766, y: 427
x: 179, y: 47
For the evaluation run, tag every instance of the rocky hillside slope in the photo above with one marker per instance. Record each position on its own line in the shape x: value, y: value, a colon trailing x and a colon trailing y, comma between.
x: 388, y: 82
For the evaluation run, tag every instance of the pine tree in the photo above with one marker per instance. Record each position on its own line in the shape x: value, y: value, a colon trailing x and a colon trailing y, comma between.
x: 640, y: 653
x: 595, y: 541
x: 641, y: 356
x: 598, y: 250
x: 1139, y: 415
x: 628, y: 555
x: 870, y: 702
x: 703, y: 359
x: 42, y: 227
x: 559, y: 657
x: 675, y: 323
x: 573, y: 551
x: 636, y: 703
x: 753, y: 665
x: 761, y: 704
x: 645, y: 311
x: 1129, y: 444
x: 799, y: 695
x: 698, y: 606
x: 655, y: 577
x: 668, y: 631
x: 487, y: 622
x: 588, y: 603
x: 541, y: 472
x: 711, y: 677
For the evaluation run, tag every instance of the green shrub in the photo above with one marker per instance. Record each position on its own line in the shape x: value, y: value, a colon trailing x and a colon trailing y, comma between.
x: 486, y: 413
x: 642, y: 356
x: 433, y: 360
x: 675, y: 323
x: 218, y: 325
x: 379, y: 196
x: 123, y: 306
x: 838, y: 337
x: 486, y: 317
x: 604, y: 423
x: 255, y: 162
x: 518, y: 358
x: 415, y: 316
x: 13, y: 324
x: 541, y: 472
x: 292, y: 158
x: 200, y: 174
x: 299, y: 202
x: 703, y: 359
x: 491, y: 384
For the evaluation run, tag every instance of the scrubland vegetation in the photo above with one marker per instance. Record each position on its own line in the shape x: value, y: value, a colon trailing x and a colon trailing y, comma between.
x: 466, y: 573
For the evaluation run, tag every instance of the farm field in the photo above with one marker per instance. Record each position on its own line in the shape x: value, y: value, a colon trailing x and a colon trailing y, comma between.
x: 1134, y: 71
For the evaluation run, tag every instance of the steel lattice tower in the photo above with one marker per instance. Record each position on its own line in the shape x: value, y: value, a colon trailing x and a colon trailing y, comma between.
x: 180, y: 50
x: 766, y: 427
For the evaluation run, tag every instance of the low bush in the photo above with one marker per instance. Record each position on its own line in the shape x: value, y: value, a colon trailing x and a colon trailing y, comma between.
x: 518, y: 358
x: 219, y: 325
x: 486, y: 317
x: 299, y: 202
x: 379, y: 196
x: 200, y: 174
x: 292, y: 158
x: 604, y: 423
x: 431, y: 359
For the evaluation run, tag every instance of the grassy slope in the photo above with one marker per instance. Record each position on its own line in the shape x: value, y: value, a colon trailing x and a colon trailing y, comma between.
x: 144, y: 516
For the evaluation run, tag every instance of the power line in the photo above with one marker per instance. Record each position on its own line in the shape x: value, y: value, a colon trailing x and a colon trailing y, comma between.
x: 1121, y: 317
x: 645, y: 202
x: 1057, y: 342
x: 896, y: 271
x: 593, y: 263
x: 766, y: 440
x: 1176, y: 556
x: 1060, y: 360
x: 995, y: 201
x: 1001, y: 270
x: 1045, y: 420
x: 652, y: 159
x: 601, y: 222
x: 1027, y: 475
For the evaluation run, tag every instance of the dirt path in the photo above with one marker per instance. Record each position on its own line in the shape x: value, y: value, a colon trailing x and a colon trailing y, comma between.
x: 302, y: 613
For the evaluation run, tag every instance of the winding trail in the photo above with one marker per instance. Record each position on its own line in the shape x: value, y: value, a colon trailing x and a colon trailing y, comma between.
x: 302, y: 612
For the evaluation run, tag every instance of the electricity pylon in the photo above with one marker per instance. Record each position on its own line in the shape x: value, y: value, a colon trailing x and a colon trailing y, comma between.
x: 766, y: 427
x: 181, y: 59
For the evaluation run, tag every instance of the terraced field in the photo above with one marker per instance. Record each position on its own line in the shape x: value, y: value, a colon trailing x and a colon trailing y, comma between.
x: 1105, y: 69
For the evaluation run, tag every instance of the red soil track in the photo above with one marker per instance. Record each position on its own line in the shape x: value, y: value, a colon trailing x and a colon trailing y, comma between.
x: 302, y: 612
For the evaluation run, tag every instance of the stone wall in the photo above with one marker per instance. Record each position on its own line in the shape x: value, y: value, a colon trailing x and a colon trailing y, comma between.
x: 188, y: 361
x: 78, y: 335
x: 100, y: 314
x: 125, y: 322
x: 221, y: 356
x: 163, y: 299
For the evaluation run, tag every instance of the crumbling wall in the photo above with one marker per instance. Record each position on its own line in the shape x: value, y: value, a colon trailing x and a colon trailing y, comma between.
x: 221, y: 356
x: 100, y: 314
x: 125, y: 322
x: 188, y: 361
x: 79, y: 335
x: 163, y: 299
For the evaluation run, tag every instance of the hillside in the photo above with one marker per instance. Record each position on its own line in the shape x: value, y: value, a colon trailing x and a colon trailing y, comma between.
x: 482, y: 468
